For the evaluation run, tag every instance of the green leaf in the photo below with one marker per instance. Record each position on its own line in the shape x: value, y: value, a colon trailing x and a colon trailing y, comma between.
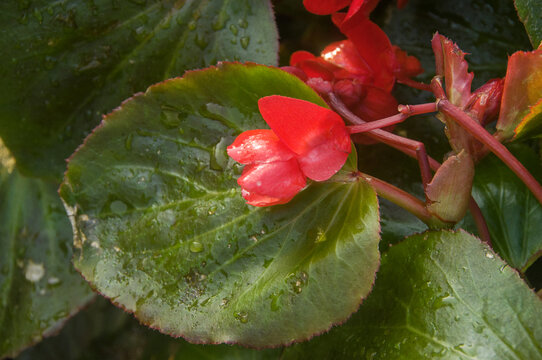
x: 105, y: 332
x: 513, y: 214
x: 39, y: 288
x: 439, y: 295
x: 68, y: 62
x: 529, y: 13
x: 162, y: 230
x: 487, y: 29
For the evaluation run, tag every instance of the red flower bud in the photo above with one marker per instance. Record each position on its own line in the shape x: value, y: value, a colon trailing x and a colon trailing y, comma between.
x: 485, y: 102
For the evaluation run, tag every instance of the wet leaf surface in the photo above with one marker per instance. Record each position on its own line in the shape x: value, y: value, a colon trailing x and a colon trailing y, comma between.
x: 439, y: 295
x: 162, y: 230
x: 39, y: 288
x: 529, y: 13
x: 68, y: 62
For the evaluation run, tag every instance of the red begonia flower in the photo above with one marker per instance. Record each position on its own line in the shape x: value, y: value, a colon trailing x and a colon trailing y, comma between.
x: 316, y: 134
x: 305, y: 140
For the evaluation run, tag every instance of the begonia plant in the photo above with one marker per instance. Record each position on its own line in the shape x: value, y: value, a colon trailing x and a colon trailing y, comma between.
x: 178, y: 182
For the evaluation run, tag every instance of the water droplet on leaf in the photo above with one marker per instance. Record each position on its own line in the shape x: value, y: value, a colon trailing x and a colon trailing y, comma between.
x: 196, y: 247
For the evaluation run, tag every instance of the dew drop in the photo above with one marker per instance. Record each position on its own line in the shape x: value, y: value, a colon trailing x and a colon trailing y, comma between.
x: 196, y: 247
x: 489, y: 255
x: 245, y: 41
x: 241, y: 316
x: 118, y: 207
x: 34, y: 271
x: 234, y: 29
x: 201, y: 42
x: 128, y: 142
x: 242, y: 23
x: 192, y: 25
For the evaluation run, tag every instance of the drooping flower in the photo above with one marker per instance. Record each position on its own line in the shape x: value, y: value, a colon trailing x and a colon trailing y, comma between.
x: 305, y: 140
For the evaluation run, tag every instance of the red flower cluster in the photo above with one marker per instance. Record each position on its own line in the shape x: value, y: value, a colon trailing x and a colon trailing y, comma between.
x: 361, y: 70
x: 305, y: 140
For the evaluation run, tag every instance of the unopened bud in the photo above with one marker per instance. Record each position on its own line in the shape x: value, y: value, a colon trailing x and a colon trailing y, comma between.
x: 485, y: 103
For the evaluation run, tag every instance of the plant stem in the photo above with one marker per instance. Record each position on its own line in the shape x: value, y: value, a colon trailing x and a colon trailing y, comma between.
x: 410, y: 147
x: 476, y: 130
x: 403, y: 199
x: 480, y: 222
x: 405, y: 111
x: 414, y: 84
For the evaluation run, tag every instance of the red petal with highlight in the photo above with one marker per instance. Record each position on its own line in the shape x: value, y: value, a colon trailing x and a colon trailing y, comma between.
x: 300, y: 124
x: 271, y: 184
x: 325, y: 7
x: 375, y: 48
x: 259, y: 146
x: 345, y: 55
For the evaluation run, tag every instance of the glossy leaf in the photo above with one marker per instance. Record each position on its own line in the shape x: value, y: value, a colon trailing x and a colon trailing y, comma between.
x: 519, y: 114
x: 489, y: 39
x: 529, y: 13
x: 162, y: 230
x: 39, y: 288
x: 513, y: 215
x: 439, y: 295
x: 105, y: 332
x: 69, y: 62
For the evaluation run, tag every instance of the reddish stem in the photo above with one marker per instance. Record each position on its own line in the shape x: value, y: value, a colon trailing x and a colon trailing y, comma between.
x: 414, y: 84
x: 476, y: 130
x: 377, y: 124
x: 480, y: 222
x: 403, y: 199
x: 405, y: 111
x: 412, y: 148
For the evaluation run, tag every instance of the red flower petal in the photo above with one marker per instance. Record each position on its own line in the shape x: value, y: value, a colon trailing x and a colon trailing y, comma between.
x: 360, y: 8
x: 323, y: 161
x: 406, y: 66
x: 258, y: 146
x: 325, y: 7
x: 300, y: 124
x: 374, y: 47
x: 377, y: 104
x: 345, y: 55
x: 272, y: 183
x: 300, y: 56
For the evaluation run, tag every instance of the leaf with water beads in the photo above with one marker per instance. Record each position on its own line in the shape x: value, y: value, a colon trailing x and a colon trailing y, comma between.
x: 439, y: 295
x: 188, y: 256
x: 71, y: 62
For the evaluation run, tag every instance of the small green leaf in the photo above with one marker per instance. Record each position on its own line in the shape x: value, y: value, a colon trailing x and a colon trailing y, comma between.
x: 439, y: 295
x: 162, y: 230
x: 529, y: 12
x: 513, y: 214
x: 39, y: 288
x: 68, y: 62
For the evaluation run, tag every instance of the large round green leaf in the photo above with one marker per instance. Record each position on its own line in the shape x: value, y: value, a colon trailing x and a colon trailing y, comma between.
x: 65, y: 63
x: 39, y: 288
x: 162, y: 230
x: 439, y: 295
